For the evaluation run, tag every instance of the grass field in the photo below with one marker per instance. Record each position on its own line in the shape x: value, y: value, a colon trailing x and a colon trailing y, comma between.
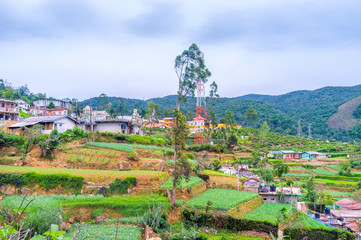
x: 321, y: 171
x: 123, y: 146
x: 223, y: 199
x: 183, y: 184
x: 268, y: 212
x: 89, y: 174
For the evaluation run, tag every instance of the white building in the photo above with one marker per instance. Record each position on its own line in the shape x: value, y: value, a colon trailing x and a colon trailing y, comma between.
x: 48, y: 123
x: 57, y: 103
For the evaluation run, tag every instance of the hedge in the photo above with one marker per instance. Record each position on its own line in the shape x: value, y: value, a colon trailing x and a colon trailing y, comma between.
x: 47, y: 181
x: 317, y: 234
x: 224, y: 221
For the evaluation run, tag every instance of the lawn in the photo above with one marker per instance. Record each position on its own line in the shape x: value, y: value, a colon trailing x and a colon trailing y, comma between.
x: 89, y: 174
x: 222, y: 199
x: 322, y: 171
x: 123, y: 146
x: 183, y: 184
x: 268, y: 212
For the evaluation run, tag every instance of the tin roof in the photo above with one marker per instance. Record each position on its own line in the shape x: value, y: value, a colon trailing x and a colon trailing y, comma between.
x: 35, y: 120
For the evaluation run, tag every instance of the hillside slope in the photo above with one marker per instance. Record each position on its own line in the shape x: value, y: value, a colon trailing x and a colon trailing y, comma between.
x: 344, y: 118
x: 282, y: 112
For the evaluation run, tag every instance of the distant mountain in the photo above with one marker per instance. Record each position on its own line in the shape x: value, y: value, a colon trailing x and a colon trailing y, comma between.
x: 282, y: 112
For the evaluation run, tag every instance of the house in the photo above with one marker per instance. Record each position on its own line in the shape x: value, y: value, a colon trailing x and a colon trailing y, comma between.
x: 252, y: 184
x: 57, y: 103
x: 101, y: 115
x: 274, y: 154
x: 47, y: 124
x: 314, y: 155
x: 287, y: 195
x: 291, y: 154
x: 168, y: 121
x: 8, y: 110
x: 197, y: 121
x: 24, y: 106
x: 43, y: 111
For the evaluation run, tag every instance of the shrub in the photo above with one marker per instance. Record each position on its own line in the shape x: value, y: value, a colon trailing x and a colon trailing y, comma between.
x: 121, y: 186
x: 132, y: 156
x: 204, y: 177
x: 156, y: 218
x: 97, y: 212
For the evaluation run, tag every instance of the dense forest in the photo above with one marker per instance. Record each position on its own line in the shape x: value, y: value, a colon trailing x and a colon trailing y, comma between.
x: 283, y: 113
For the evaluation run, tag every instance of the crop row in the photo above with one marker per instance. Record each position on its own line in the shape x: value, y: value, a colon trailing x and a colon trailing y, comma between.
x: 222, y: 199
x: 269, y: 212
x: 122, y: 146
x: 89, y: 174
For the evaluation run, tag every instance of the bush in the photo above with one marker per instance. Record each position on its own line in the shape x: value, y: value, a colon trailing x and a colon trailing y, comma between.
x: 121, y: 186
x: 316, y: 234
x: 47, y: 181
x: 190, y: 155
x: 132, y: 156
x: 204, y: 177
x: 97, y: 212
x: 156, y: 218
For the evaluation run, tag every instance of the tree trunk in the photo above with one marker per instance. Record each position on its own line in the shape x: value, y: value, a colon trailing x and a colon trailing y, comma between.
x: 175, y: 125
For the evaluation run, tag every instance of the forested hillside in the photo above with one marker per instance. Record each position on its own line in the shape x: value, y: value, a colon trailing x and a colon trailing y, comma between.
x: 282, y: 112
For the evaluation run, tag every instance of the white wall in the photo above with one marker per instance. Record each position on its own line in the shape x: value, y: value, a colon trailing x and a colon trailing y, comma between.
x: 109, y: 127
x: 64, y: 124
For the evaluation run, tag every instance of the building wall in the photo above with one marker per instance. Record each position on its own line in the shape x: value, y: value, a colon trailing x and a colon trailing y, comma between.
x: 289, y: 199
x: 110, y: 127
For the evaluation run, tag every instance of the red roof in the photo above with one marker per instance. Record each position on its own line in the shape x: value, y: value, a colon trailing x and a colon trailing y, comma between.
x: 257, y: 179
x: 347, y: 202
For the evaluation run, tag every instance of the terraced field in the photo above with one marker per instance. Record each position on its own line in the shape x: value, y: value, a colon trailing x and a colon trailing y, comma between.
x: 222, y: 199
x: 268, y: 212
x: 89, y: 174
x: 183, y: 184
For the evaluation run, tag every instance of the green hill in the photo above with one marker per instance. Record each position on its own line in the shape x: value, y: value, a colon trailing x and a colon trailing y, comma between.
x: 282, y: 112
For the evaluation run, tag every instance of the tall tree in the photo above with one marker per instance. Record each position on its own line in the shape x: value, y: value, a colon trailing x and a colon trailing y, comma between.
x: 251, y: 114
x: 229, y: 119
x: 190, y: 69
x: 166, y: 112
x: 190, y: 115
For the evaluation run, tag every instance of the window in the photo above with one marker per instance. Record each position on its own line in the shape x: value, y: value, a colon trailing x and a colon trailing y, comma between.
x: 3, y: 105
x: 60, y: 124
x: 55, y: 126
x: 264, y: 199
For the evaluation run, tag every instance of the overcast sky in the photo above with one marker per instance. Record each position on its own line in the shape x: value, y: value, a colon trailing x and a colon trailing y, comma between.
x: 82, y: 48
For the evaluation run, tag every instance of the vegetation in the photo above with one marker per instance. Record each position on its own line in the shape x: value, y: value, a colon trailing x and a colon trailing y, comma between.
x: 192, y: 181
x: 121, y: 146
x: 223, y: 199
x: 269, y: 212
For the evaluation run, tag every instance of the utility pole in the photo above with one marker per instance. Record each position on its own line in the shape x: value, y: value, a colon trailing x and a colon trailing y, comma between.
x: 299, y: 129
x: 309, y: 130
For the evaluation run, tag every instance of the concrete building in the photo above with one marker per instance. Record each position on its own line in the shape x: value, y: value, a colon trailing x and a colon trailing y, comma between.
x: 252, y: 184
x: 57, y: 103
x: 42, y: 111
x: 8, y: 110
x: 287, y: 195
x: 46, y: 123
